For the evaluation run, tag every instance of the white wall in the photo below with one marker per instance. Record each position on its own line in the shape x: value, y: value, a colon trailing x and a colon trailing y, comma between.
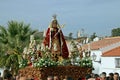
x: 108, y: 65
x: 96, y: 65
x: 98, y: 53
x: 1, y: 70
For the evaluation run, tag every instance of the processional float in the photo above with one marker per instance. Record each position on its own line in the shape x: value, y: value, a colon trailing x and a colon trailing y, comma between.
x: 53, y: 58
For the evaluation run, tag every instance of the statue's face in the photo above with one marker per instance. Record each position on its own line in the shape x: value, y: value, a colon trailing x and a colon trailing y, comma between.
x: 54, y: 24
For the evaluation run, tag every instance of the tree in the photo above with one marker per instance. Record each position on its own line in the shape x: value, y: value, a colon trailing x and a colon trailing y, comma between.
x: 115, y: 32
x: 93, y: 36
x: 70, y: 35
x: 12, y: 41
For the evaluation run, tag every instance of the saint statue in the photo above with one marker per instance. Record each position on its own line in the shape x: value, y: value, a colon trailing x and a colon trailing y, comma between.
x: 54, y: 40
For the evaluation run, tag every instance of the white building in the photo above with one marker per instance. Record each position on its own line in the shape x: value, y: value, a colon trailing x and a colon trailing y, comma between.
x: 99, y: 49
x: 111, y: 61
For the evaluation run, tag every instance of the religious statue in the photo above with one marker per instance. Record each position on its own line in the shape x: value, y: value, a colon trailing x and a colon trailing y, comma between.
x: 54, y: 40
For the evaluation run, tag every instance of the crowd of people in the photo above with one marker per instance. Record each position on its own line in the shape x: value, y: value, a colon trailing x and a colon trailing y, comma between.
x: 102, y: 76
x: 92, y: 76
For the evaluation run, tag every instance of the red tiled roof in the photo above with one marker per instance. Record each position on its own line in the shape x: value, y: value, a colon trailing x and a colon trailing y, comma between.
x: 102, y: 43
x: 113, y: 52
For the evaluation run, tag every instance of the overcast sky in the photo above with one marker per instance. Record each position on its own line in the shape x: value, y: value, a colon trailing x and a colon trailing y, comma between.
x: 99, y: 16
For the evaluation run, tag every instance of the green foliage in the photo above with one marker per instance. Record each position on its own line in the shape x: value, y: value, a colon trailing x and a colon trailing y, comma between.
x: 3, y: 60
x: 15, y: 36
x: 23, y: 63
x: 70, y: 35
x: 13, y: 39
x: 45, y: 62
x: 115, y: 32
x: 85, y: 62
x: 93, y: 36
x: 64, y: 62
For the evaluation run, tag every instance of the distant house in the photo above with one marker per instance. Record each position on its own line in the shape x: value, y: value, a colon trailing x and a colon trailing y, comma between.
x: 100, y: 47
x: 111, y: 60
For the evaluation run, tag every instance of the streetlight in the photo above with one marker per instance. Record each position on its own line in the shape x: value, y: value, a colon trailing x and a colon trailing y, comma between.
x: 94, y: 56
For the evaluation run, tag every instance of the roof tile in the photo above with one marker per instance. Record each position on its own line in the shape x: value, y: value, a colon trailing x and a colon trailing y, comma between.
x: 113, y: 52
x: 102, y: 43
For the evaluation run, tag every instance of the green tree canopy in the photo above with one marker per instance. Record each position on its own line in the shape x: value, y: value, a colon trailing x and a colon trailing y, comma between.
x: 13, y: 39
x: 70, y: 35
x: 115, y: 32
x: 93, y: 36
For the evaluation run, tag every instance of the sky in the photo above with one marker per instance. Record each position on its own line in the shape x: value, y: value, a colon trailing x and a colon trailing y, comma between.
x: 99, y: 16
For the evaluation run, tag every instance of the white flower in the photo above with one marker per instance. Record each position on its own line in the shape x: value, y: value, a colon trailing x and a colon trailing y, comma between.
x: 38, y: 64
x: 86, y: 59
x: 83, y: 63
x: 87, y: 64
x: 51, y: 63
x: 43, y: 64
x: 41, y: 59
x: 46, y: 62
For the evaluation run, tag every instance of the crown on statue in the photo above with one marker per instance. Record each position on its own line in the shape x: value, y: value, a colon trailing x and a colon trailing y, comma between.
x: 54, y: 16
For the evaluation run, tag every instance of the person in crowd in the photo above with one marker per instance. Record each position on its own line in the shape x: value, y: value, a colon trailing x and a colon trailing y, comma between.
x: 97, y: 77
x: 50, y: 78
x: 104, y: 73
x: 23, y: 78
x: 68, y: 78
x: 116, y: 76
x: 89, y: 77
x: 110, y: 77
x: 102, y: 76
x: 92, y: 74
x: 56, y: 78
x: 1, y: 76
x: 79, y: 78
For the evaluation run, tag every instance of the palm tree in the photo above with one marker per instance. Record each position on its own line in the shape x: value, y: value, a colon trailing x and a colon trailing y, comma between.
x: 13, y: 39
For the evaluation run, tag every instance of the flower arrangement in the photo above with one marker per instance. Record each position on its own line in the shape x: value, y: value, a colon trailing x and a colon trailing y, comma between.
x: 85, y: 62
x: 45, y: 59
x: 74, y: 50
x: 64, y: 62
x: 77, y: 57
x: 48, y: 62
x: 45, y: 62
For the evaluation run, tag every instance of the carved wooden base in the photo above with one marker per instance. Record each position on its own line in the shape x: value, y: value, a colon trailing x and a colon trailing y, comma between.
x: 61, y: 71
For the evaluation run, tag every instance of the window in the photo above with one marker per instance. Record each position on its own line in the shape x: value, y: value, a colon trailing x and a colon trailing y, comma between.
x: 117, y: 62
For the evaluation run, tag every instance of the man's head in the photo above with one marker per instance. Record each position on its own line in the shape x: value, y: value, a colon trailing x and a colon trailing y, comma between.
x: 111, y: 75
x: 116, y: 76
x: 56, y: 78
x: 49, y: 78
